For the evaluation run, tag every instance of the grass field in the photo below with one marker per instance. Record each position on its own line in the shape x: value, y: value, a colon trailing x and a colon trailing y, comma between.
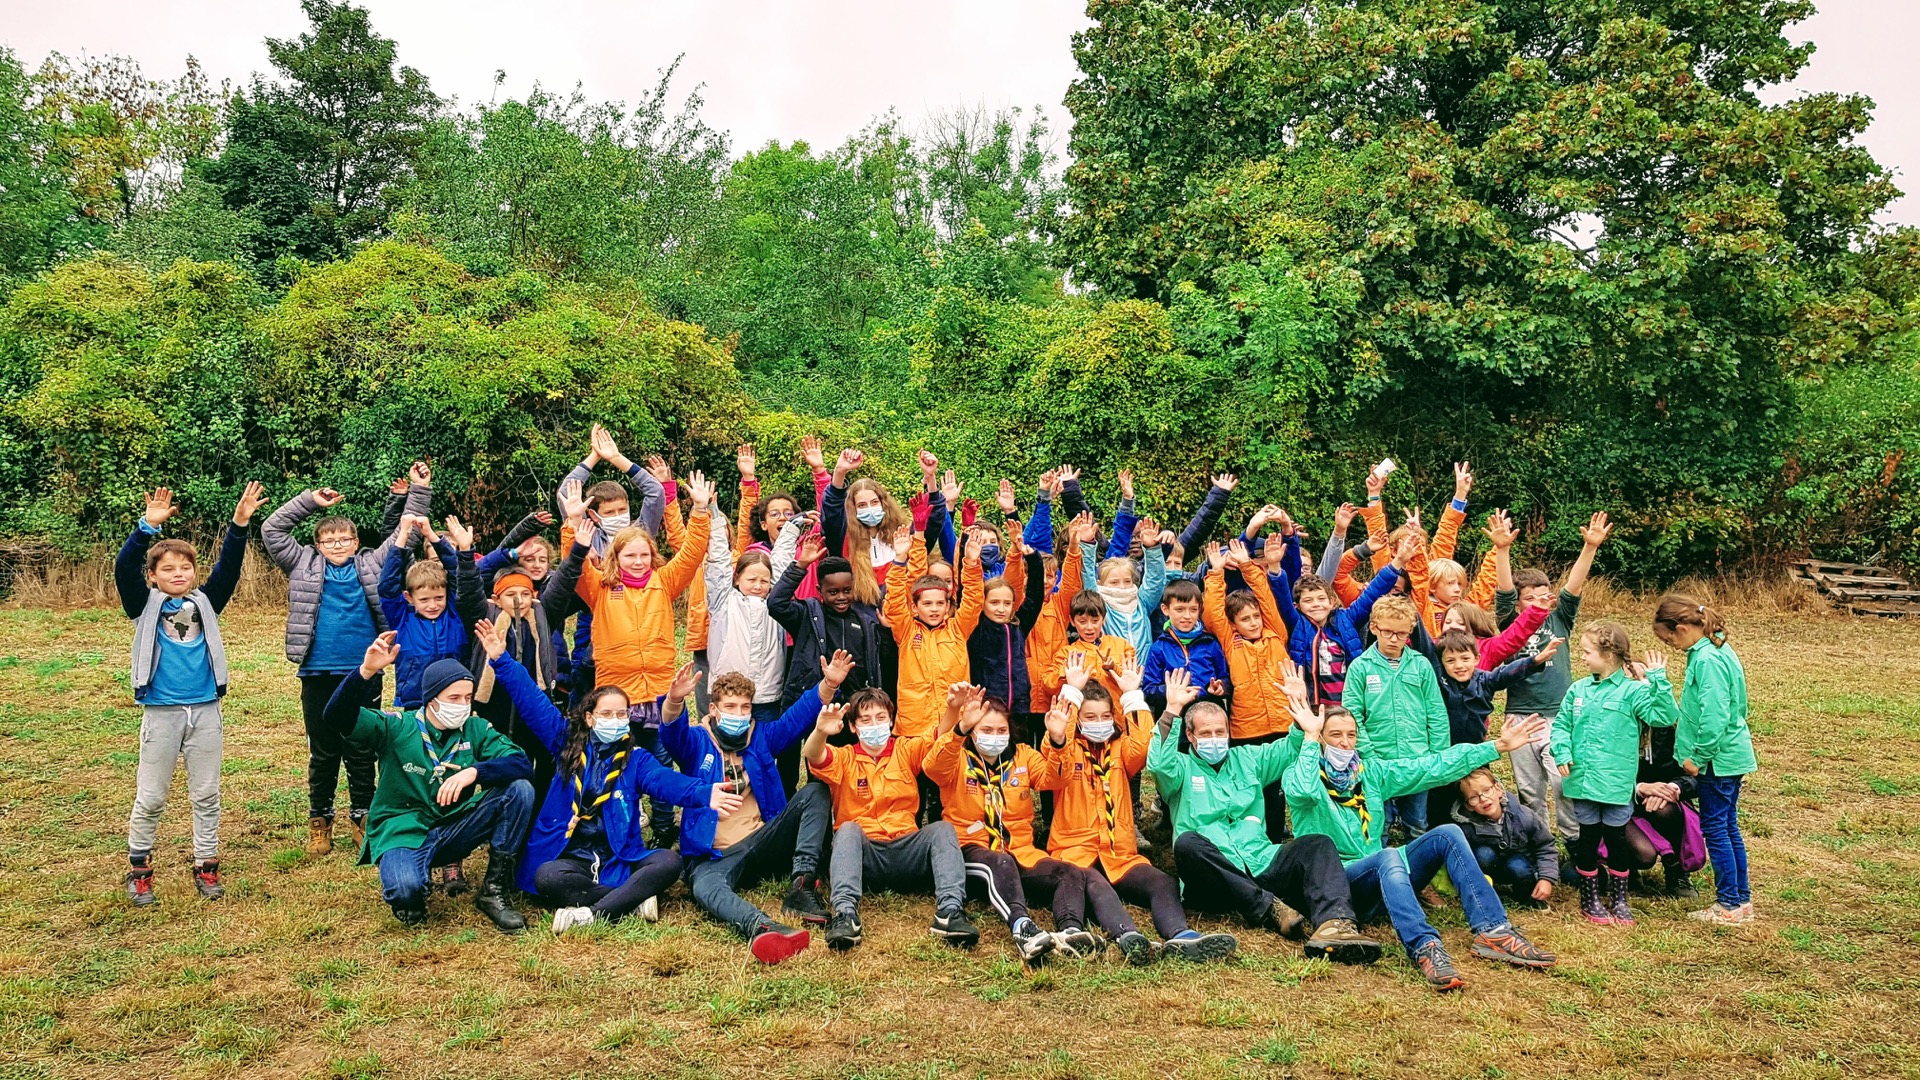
x: 300, y: 971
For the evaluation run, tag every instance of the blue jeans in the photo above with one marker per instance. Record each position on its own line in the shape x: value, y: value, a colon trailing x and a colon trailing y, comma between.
x: 1720, y: 826
x: 499, y: 819
x: 1410, y: 810
x: 1512, y: 871
x: 1386, y: 882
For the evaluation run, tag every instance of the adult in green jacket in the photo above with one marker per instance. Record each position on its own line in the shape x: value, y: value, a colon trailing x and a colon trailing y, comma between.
x: 1330, y: 787
x: 427, y: 810
x: 1215, y: 795
x: 1712, y: 742
x: 1394, y: 695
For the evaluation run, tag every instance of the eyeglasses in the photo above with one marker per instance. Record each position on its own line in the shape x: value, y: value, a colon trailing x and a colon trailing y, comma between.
x: 1391, y: 633
x: 621, y: 715
x: 337, y: 541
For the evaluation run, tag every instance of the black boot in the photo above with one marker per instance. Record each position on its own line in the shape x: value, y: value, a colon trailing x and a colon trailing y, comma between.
x: 495, y: 889
x: 1679, y: 885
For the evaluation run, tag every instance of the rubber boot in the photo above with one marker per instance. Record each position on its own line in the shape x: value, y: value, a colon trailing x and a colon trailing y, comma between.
x: 1591, y: 905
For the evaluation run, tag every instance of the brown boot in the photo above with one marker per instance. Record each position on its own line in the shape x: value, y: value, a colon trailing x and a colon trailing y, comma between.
x: 357, y: 822
x: 319, y: 837
x: 1340, y: 941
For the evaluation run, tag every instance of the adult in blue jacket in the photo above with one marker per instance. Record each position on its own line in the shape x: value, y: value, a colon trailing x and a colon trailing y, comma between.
x: 770, y: 835
x: 587, y: 854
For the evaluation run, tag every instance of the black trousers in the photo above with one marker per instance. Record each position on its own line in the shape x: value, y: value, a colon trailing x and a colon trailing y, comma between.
x: 1305, y: 873
x: 1155, y: 890
x: 568, y: 881
x: 325, y: 753
x: 998, y: 878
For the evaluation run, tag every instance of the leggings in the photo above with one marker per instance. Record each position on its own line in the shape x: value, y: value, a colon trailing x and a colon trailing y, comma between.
x: 1008, y: 886
x: 1640, y: 854
x: 568, y: 881
x: 1154, y: 890
x: 1586, y: 849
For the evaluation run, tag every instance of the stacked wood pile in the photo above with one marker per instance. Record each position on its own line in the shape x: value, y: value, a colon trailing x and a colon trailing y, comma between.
x: 1861, y: 589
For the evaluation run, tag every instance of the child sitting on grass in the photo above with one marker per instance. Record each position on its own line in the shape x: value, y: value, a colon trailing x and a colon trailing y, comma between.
x: 179, y: 675
x: 1596, y: 741
x: 1511, y: 845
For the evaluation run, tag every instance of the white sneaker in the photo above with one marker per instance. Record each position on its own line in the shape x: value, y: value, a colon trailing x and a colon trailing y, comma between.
x: 566, y: 918
x: 1747, y: 914
x: 1715, y: 915
x: 650, y: 909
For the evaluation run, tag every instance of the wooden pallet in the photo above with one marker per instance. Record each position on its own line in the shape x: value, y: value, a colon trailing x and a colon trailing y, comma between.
x: 1861, y: 589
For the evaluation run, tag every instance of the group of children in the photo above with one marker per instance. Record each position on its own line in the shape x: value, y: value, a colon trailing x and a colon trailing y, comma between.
x: 974, y: 699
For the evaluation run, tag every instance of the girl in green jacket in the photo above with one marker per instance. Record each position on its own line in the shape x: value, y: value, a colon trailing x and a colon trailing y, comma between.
x: 1713, y: 744
x: 1596, y: 740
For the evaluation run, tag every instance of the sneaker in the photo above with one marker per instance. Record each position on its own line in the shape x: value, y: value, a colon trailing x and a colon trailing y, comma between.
x: 453, y: 880
x: 410, y: 916
x: 319, y: 836
x: 1288, y: 922
x: 843, y: 932
x: 1504, y: 943
x: 1196, y: 946
x: 357, y: 824
x: 1137, y: 948
x: 774, y: 942
x: 140, y: 887
x: 956, y: 929
x: 1747, y: 914
x: 1340, y: 941
x: 1076, y: 943
x: 1034, y: 943
x: 1437, y: 966
x: 1715, y: 915
x: 1617, y: 899
x: 566, y: 918
x: 206, y: 879
x: 649, y: 909
x: 803, y: 903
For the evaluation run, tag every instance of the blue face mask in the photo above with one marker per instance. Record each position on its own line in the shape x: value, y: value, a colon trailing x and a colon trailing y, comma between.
x: 990, y: 553
x: 733, y: 725
x: 1212, y: 751
x: 991, y: 746
x: 872, y: 516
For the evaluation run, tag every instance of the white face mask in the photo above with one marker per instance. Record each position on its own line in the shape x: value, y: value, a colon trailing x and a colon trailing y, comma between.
x: 610, y: 728
x: 446, y: 715
x: 613, y: 523
x: 875, y: 736
x: 1340, y: 760
x: 1097, y: 731
x: 991, y: 746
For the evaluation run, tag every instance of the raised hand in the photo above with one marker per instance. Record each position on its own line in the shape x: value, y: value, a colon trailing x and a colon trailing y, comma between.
x: 603, y: 445
x: 813, y: 453
x: 1516, y: 733
x: 327, y: 498
x: 1180, y: 690
x: 1008, y: 504
x: 421, y: 473
x: 1083, y: 529
x: 1069, y: 473
x: 1375, y: 485
x: 1597, y: 529
x: 1404, y: 552
x: 1216, y: 555
x: 1500, y: 529
x: 1656, y: 660
x: 972, y: 709
x: 685, y: 681
x: 489, y: 638
x: 1237, y: 556
x: 970, y: 548
x: 657, y: 468
x: 812, y: 547
x: 833, y: 719
x: 573, y: 504
x: 1287, y: 527
x: 920, y: 508
x: 724, y: 801
x: 426, y: 530
x: 458, y: 532
x: 544, y: 517
x: 1293, y: 681
x: 1462, y: 480
x: 1125, y: 477
x: 1059, y: 722
x: 745, y: 460
x: 700, y: 490
x: 1130, y: 675
x: 380, y: 655
x: 398, y: 487
x: 835, y: 669
x: 1546, y: 652
x: 1413, y: 519
x: 160, y: 506
x: 1226, y: 481
x: 1077, y: 673
x: 252, y: 498
x: 950, y: 488
x: 1343, y: 518
x: 1049, y: 482
x: 1309, y: 720
x: 929, y: 468
x: 849, y: 460
x: 969, y: 513
x: 1148, y: 530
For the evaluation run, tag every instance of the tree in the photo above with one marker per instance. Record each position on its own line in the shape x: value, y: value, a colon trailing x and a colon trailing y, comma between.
x: 40, y: 219
x: 125, y: 139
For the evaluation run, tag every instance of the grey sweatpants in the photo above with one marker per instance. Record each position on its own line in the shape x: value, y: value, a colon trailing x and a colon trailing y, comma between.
x: 1537, y: 776
x: 930, y: 853
x: 167, y: 734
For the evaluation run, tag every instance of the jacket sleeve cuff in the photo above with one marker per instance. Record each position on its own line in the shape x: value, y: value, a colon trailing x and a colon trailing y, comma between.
x: 1071, y: 696
x: 1133, y: 701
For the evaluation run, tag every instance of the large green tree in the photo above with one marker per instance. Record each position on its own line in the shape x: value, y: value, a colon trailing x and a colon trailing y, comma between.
x: 40, y: 217
x: 1582, y: 239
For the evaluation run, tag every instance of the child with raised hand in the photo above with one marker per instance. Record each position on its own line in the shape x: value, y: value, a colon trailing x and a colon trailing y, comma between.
x: 1497, y: 646
x: 631, y: 596
x: 1334, y: 787
x: 527, y: 613
x: 1512, y: 846
x: 1010, y: 605
x: 179, y: 675
x: 417, y: 601
x: 931, y: 634
x: 1468, y: 692
x: 742, y: 635
x: 1248, y: 625
x: 1129, y: 596
x: 1048, y: 640
x: 586, y: 856
x: 1596, y: 741
x: 1088, y: 762
x: 1101, y: 652
x: 876, y: 799
x: 832, y: 619
x: 1713, y: 745
x: 1534, y: 773
x: 862, y: 521
x: 1185, y: 646
x: 1323, y: 639
x: 1394, y: 696
x: 333, y: 614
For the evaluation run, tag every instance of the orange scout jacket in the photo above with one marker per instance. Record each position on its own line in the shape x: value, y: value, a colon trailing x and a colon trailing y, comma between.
x: 1049, y: 634
x: 1259, y: 706
x: 932, y: 658
x: 633, y: 628
x: 1093, y: 800
x: 990, y: 806
x: 881, y: 794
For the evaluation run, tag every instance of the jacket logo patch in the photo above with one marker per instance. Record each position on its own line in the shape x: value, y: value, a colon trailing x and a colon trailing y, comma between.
x: 1199, y: 783
x: 1013, y: 781
x: 706, y: 763
x: 972, y: 783
x: 1373, y: 682
x: 860, y: 782
x: 410, y: 767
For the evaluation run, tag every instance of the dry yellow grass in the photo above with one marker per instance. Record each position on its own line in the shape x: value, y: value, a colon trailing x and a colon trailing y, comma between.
x: 301, y: 972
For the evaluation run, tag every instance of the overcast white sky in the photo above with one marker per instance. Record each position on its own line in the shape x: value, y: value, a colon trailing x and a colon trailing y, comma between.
x: 817, y: 70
